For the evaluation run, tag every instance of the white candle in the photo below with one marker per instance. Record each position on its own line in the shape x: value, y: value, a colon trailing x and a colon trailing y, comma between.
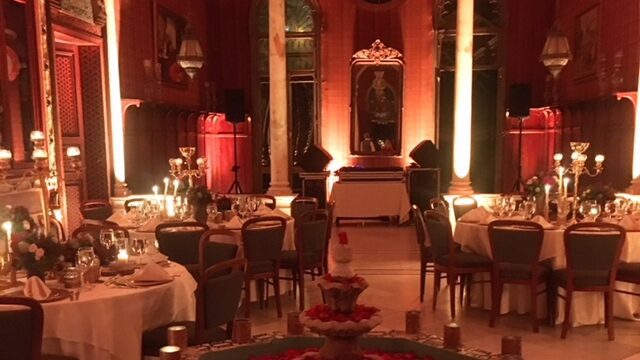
x: 166, y: 186
x: 566, y: 186
x: 123, y: 256
x: 560, y: 174
x: 169, y: 206
x: 36, y: 135
x: 599, y: 158
x: 176, y: 184
x: 39, y: 154
x: 155, y: 190
x: 7, y: 226
x: 5, y: 154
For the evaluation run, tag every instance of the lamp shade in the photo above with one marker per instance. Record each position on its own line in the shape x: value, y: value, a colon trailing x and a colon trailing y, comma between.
x: 556, y: 52
x: 190, y: 56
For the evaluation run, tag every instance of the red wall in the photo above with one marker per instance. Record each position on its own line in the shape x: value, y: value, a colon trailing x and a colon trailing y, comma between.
x: 136, y: 46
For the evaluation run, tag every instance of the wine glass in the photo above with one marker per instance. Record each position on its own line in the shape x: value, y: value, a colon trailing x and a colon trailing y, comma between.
x: 529, y: 208
x: 611, y: 209
x: 590, y: 210
x: 84, y: 260
x: 512, y: 205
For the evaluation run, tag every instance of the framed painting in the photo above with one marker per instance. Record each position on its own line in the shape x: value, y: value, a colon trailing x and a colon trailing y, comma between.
x: 377, y: 87
x: 587, y: 32
x: 168, y: 29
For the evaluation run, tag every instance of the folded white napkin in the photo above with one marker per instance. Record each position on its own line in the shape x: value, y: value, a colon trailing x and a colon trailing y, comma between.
x: 151, y: 272
x: 629, y: 223
x: 476, y: 215
x: 234, y: 223
x: 36, y: 288
x: 157, y: 257
x: 120, y: 218
x: 542, y: 221
x: 150, y: 226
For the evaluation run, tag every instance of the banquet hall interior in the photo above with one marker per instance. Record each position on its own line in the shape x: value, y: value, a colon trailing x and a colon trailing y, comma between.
x: 222, y: 179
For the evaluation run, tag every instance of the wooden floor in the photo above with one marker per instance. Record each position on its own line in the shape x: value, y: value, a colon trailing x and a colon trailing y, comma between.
x: 388, y: 257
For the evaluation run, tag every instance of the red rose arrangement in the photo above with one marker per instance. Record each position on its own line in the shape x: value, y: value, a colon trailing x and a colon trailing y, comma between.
x: 296, y: 354
x: 324, y: 313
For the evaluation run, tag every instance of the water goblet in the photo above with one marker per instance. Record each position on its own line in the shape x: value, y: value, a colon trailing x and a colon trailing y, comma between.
x: 529, y: 209
x: 611, y: 209
x: 85, y: 258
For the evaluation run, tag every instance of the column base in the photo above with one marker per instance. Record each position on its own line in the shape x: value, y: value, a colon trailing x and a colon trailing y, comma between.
x: 120, y: 189
x: 460, y: 187
x: 634, y: 188
x: 280, y: 189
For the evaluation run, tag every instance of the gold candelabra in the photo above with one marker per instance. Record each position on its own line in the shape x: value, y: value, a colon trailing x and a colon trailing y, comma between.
x: 577, y: 168
x: 178, y: 171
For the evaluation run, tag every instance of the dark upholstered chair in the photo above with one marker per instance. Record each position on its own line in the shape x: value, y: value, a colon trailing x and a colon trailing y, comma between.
x: 301, y: 205
x: 262, y: 240
x: 21, y: 328
x: 515, y: 249
x: 331, y: 205
x: 462, y: 205
x: 426, y: 258
x: 311, y: 236
x: 448, y: 259
x: 593, y: 252
x: 217, y: 299
x: 133, y: 202
x: 268, y: 200
x: 96, y: 209
x: 439, y: 204
x: 212, y: 251
x: 180, y: 241
x: 629, y: 272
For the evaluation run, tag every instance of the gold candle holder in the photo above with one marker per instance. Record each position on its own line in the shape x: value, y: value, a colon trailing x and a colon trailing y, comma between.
x: 178, y: 336
x: 412, y: 322
x: 452, y: 337
x: 241, y: 331
x: 294, y: 326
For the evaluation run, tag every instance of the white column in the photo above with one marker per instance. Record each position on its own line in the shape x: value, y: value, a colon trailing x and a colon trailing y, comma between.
x: 635, y: 169
x: 460, y: 182
x: 117, y: 129
x: 278, y: 127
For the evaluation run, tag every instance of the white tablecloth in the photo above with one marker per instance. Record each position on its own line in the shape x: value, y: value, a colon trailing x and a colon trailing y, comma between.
x: 588, y: 308
x: 364, y: 199
x: 107, y: 323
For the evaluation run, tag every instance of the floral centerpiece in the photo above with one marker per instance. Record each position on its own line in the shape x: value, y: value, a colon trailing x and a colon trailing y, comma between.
x: 199, y: 197
x: 598, y: 192
x: 35, y: 251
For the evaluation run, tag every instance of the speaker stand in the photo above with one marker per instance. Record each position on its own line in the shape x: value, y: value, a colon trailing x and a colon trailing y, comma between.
x: 518, y: 186
x: 235, y: 185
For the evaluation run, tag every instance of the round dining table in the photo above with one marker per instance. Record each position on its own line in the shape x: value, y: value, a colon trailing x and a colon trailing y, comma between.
x: 588, y: 308
x: 107, y: 323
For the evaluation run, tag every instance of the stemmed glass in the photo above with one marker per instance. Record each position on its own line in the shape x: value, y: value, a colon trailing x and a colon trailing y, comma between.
x: 590, y: 210
x: 108, y: 241
x: 529, y: 208
x: 611, y: 210
x: 512, y: 205
x: 84, y: 261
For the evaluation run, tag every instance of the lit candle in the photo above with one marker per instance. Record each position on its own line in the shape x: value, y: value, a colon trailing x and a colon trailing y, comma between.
x: 560, y: 173
x: 575, y: 155
x: 547, y: 188
x: 5, y: 154
x: 557, y: 157
x: 169, y: 206
x: 599, y: 158
x: 39, y: 154
x: 155, y: 190
x: 7, y: 226
x: 36, y: 135
x: 166, y: 186
x: 176, y: 185
x: 566, y: 186
x: 73, y: 151
x: 201, y: 161
x: 123, y: 256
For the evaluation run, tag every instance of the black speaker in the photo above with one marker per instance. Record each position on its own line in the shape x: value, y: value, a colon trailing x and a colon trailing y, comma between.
x: 425, y: 154
x: 519, y: 100
x: 423, y: 185
x: 315, y: 159
x: 235, y: 112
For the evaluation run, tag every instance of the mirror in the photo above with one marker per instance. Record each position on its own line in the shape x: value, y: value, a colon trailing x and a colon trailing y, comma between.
x: 377, y: 82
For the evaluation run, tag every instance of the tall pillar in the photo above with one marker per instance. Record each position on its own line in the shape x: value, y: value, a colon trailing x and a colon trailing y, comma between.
x: 635, y: 169
x: 460, y: 182
x: 115, y: 109
x: 278, y: 127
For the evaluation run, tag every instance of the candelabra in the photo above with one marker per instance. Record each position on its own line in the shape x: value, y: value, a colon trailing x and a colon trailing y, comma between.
x: 577, y: 168
x: 179, y: 172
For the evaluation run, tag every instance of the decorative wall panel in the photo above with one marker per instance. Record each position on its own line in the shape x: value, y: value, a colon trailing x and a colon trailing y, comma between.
x: 66, y: 95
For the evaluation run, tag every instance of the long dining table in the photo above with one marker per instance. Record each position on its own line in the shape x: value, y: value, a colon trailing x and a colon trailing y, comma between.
x: 588, y: 308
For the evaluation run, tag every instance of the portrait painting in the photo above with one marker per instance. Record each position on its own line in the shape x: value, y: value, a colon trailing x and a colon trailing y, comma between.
x: 169, y: 29
x: 586, y: 43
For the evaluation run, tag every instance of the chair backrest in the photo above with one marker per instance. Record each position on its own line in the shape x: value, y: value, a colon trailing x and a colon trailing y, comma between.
x: 515, y: 241
x: 58, y: 230
x: 439, y: 232
x: 133, y: 202
x: 268, y: 200
x: 421, y: 231
x: 216, y: 246
x: 463, y: 204
x: 594, y: 247
x: 180, y: 241
x: 439, y: 204
x: 96, y: 209
x: 262, y: 238
x: 301, y: 205
x: 218, y: 295
x: 311, y: 232
x: 21, y: 322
